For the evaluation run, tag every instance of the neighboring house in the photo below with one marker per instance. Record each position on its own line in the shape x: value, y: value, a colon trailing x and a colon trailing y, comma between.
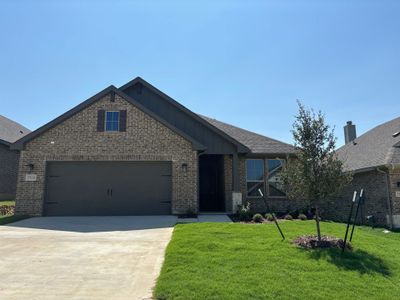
x: 134, y: 150
x: 374, y: 160
x: 10, y: 131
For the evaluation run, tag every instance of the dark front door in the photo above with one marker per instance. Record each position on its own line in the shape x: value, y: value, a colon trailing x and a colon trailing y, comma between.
x: 108, y: 188
x: 211, y: 181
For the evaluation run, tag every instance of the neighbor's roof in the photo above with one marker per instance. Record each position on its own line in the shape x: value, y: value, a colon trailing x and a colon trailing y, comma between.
x: 257, y: 143
x: 11, y: 131
x: 377, y: 147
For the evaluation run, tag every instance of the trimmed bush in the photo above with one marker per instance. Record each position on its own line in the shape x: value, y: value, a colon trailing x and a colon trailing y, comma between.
x: 302, y: 217
x: 244, y: 213
x: 269, y: 217
x: 258, y: 218
x: 289, y: 217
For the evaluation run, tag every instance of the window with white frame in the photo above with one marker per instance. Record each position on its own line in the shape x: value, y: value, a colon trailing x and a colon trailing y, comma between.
x: 112, y: 121
x: 255, y: 177
x: 275, y: 182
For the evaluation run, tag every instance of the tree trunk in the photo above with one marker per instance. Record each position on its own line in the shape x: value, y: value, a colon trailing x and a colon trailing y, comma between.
x: 317, y: 223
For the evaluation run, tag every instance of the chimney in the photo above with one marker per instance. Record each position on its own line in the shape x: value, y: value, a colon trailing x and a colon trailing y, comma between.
x: 349, y: 132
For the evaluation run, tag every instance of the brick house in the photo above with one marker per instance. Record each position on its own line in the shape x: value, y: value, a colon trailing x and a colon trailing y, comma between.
x: 374, y: 160
x: 10, y: 131
x: 134, y: 150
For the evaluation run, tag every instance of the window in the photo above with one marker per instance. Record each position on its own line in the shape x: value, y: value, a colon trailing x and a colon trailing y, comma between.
x: 275, y: 182
x: 112, y: 121
x: 255, y: 177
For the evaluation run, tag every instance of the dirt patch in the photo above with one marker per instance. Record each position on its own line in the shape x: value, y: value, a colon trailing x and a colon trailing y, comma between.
x: 311, y: 242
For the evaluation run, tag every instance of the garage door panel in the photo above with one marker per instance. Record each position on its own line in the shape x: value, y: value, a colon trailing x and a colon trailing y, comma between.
x: 108, y: 188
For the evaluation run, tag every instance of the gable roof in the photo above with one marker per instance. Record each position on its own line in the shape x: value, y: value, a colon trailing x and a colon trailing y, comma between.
x: 377, y: 147
x: 10, y: 131
x: 240, y: 146
x: 111, y: 89
x: 257, y: 143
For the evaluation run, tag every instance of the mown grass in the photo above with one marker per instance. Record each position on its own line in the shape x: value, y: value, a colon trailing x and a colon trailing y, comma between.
x: 7, y: 202
x: 240, y: 261
x: 10, y: 219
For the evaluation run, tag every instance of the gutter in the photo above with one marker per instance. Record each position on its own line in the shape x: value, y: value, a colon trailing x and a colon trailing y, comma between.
x: 389, y: 201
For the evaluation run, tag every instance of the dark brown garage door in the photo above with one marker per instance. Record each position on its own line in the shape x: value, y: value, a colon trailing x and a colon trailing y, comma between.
x: 108, y: 188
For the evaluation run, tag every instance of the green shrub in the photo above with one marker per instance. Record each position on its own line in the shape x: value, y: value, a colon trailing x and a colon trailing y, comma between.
x: 288, y: 217
x: 302, y: 217
x: 244, y: 212
x: 269, y: 217
x: 258, y: 218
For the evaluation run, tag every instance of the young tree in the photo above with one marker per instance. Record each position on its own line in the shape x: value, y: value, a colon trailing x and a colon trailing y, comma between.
x: 315, y: 174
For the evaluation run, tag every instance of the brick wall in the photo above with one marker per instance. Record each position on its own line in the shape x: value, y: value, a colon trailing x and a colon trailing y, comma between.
x: 375, y: 187
x: 8, y: 172
x: 228, y: 182
x: 337, y: 209
x: 394, y: 182
x: 77, y: 139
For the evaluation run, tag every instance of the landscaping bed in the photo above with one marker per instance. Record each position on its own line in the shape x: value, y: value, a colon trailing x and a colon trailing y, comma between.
x: 7, y: 208
x: 238, y: 261
x: 312, y: 242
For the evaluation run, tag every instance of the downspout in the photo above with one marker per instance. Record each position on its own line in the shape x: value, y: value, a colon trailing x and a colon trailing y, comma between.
x: 389, y: 202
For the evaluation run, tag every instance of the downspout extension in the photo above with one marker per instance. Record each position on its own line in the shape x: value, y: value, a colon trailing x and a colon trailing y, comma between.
x: 389, y: 200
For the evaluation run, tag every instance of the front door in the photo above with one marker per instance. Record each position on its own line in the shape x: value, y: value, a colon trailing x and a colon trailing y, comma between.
x: 211, y: 181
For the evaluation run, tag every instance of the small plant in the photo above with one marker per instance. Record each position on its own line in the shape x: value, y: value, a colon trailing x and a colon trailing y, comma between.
x: 302, y: 217
x: 244, y: 212
x: 269, y: 217
x: 288, y: 217
x: 258, y: 218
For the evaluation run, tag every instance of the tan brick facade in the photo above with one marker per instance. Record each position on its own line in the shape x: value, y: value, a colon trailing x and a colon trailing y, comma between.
x: 375, y: 187
x: 8, y: 172
x: 395, y: 190
x: 77, y: 139
x: 228, y: 182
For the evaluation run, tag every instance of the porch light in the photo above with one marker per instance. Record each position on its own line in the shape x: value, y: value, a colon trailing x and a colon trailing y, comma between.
x: 184, y: 167
x: 31, y: 166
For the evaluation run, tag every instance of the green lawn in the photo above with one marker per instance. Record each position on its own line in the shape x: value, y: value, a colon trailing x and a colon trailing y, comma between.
x: 7, y: 202
x: 10, y: 219
x: 239, y: 261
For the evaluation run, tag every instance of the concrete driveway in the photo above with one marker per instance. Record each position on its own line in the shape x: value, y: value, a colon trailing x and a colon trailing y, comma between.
x: 82, y: 257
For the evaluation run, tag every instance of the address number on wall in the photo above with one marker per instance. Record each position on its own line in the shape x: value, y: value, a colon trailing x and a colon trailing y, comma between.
x: 30, y: 177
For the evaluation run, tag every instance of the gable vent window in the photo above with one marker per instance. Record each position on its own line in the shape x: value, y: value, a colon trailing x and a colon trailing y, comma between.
x: 111, y: 121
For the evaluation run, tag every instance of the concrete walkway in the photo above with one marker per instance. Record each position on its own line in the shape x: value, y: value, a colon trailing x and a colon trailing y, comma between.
x: 219, y: 218
x: 82, y: 257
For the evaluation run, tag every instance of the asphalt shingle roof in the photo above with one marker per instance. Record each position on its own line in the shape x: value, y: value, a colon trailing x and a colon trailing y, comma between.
x: 257, y: 143
x: 11, y: 131
x: 377, y: 147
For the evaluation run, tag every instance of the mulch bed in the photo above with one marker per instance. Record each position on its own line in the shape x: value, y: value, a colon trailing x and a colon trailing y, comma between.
x: 311, y: 242
x: 6, y: 210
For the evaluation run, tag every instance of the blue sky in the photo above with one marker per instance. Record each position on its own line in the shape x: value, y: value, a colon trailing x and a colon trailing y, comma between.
x: 243, y: 62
